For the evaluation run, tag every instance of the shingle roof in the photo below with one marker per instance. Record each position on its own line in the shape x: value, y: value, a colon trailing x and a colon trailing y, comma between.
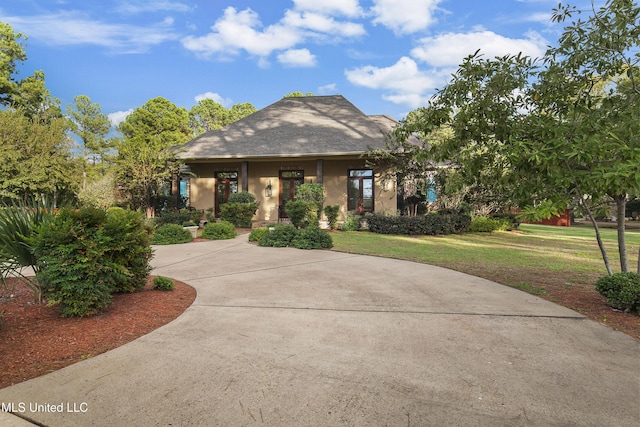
x: 294, y: 127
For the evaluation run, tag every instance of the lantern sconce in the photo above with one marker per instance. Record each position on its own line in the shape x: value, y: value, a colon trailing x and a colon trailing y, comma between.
x: 267, y: 190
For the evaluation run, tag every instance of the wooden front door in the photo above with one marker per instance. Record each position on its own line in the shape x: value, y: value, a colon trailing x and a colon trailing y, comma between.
x: 289, y: 182
x: 226, y: 183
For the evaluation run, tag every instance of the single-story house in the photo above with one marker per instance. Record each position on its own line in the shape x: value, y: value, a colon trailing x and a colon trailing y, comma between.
x: 319, y: 139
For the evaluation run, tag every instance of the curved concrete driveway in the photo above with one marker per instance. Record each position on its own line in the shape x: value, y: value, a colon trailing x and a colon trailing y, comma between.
x: 285, y: 337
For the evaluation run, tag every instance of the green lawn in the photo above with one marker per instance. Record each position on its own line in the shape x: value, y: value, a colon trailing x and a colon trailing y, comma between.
x: 531, y: 258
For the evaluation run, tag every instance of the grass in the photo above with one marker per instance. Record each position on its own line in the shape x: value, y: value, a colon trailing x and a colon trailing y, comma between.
x: 533, y: 256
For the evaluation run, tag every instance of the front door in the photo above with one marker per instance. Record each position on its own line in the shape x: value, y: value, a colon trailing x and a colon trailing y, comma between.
x: 289, y: 182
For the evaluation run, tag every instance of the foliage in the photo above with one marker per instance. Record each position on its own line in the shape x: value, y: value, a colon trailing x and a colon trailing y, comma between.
x: 280, y: 237
x: 18, y: 225
x: 332, y: 212
x: 35, y: 157
x: 352, y: 222
x: 300, y: 213
x: 622, y: 290
x: 312, y: 237
x: 13, y: 53
x: 483, y: 224
x: 545, y: 133
x: 430, y: 224
x: 257, y: 234
x: 84, y: 256
x: 209, y: 115
x: 162, y: 283
x: 144, y: 161
x: 219, y: 231
x: 177, y: 217
x: 98, y: 194
x: 171, y: 234
x: 241, y: 197
x: 239, y: 214
x: 298, y: 94
x: 314, y: 195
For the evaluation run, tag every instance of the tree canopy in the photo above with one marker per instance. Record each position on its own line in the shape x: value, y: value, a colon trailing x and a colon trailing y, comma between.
x: 546, y: 133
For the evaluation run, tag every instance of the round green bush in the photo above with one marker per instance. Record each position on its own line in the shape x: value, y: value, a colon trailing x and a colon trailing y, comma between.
x: 162, y: 284
x: 257, y: 234
x: 312, y: 238
x: 171, y: 234
x: 622, y: 290
x: 483, y: 224
x: 241, y: 197
x: 280, y: 237
x: 219, y: 231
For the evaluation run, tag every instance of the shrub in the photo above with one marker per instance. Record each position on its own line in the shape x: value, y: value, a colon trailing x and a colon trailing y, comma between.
x: 219, y: 231
x: 162, y: 283
x: 173, y: 217
x: 300, y: 213
x: 312, y: 238
x: 171, y: 234
x: 257, y: 234
x: 483, y: 224
x: 314, y: 195
x: 352, y: 222
x: 430, y: 224
x: 239, y: 214
x: 332, y: 215
x: 127, y: 242
x: 281, y: 236
x: 241, y: 197
x: 512, y: 222
x: 84, y: 256
x: 622, y: 290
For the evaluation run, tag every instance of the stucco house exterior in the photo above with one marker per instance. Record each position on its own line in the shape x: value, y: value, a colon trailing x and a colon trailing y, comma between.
x: 319, y: 139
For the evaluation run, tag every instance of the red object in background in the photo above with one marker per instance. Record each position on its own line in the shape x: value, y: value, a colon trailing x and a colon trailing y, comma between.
x: 563, y: 220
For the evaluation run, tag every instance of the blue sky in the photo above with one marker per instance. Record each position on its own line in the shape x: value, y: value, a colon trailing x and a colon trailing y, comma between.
x: 385, y: 56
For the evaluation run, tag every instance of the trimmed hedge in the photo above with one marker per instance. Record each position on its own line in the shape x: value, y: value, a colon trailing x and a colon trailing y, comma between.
x: 286, y: 235
x: 219, y: 231
x: 239, y: 214
x: 622, y: 290
x: 171, y: 234
x: 430, y: 224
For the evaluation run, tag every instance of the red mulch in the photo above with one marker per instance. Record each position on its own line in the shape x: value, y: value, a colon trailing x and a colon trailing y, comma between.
x: 36, y: 340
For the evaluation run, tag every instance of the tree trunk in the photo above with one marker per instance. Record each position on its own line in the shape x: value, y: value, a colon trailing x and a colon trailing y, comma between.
x: 638, y: 259
x: 621, y: 202
x: 603, y: 250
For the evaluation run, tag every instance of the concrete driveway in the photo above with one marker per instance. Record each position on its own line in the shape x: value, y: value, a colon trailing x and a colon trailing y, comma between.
x: 284, y: 337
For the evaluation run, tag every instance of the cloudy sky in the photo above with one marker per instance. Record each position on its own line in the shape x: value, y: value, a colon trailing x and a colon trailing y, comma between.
x: 385, y: 56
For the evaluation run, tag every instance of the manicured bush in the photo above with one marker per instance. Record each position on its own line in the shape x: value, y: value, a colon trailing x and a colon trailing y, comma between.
x: 239, y: 209
x: 300, y: 212
x: 127, y: 238
x: 173, y: 217
x: 332, y: 215
x: 257, y: 234
x: 312, y: 237
x: 162, y: 283
x: 352, y: 222
x: 622, y: 290
x: 219, y: 231
x: 512, y: 222
x: 280, y: 237
x: 483, y: 224
x: 171, y: 234
x: 430, y: 224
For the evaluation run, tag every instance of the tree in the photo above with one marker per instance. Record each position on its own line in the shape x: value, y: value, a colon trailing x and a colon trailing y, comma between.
x: 209, y: 115
x: 11, y: 54
x: 239, y: 111
x: 145, y: 161
x: 35, y: 157
x: 297, y: 94
x: 91, y: 126
x: 548, y: 133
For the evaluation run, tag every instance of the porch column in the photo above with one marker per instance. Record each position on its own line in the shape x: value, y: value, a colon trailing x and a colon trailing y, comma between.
x: 175, y: 188
x: 319, y: 171
x: 245, y: 176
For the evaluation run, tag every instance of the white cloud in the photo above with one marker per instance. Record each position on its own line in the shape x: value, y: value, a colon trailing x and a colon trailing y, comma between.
x: 330, y: 89
x: 225, y: 102
x: 405, y: 82
x: 239, y: 30
x: 349, y: 8
x: 73, y: 28
x: 142, y: 6
x: 450, y: 49
x: 118, y: 117
x: 297, y: 58
x: 322, y: 24
x: 405, y: 16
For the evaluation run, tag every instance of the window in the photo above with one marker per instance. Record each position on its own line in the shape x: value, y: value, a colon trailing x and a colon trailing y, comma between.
x: 360, y: 190
x: 289, y: 182
x: 226, y: 183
